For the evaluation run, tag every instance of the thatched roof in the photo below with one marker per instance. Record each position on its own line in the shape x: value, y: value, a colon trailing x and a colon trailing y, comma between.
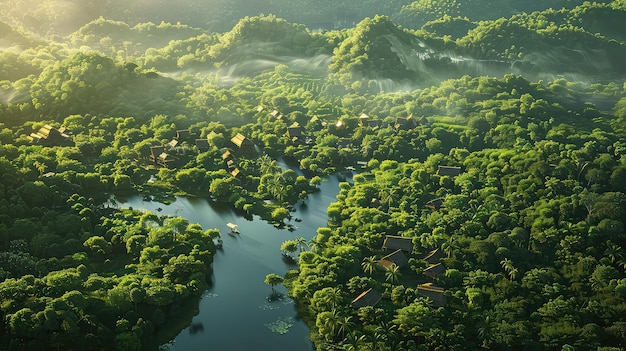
x: 435, y: 293
x: 434, y: 204
x: 394, y: 242
x: 433, y: 256
x: 448, y: 171
x: 434, y: 270
x: 182, y: 134
x: 369, y: 297
x: 202, y: 144
x: 397, y: 257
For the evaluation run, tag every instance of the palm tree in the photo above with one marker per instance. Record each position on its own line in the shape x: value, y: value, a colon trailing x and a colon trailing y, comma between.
x: 301, y: 242
x: 613, y: 251
x: 334, y: 297
x: 273, y: 279
x: 313, y: 244
x: 354, y: 342
x: 393, y: 274
x: 345, y: 325
x: 369, y: 264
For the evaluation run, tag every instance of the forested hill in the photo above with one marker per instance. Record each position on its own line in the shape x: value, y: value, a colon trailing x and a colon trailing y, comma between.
x: 488, y: 139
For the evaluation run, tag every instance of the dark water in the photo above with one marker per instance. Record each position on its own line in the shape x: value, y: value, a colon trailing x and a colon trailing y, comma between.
x: 236, y: 312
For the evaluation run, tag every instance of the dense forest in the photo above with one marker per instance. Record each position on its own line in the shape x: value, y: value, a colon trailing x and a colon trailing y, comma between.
x: 487, y: 141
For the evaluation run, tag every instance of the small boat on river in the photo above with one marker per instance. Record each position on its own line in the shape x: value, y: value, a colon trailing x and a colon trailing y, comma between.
x: 233, y: 228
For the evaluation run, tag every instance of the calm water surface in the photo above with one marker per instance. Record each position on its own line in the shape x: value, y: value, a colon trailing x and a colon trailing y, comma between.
x: 236, y: 313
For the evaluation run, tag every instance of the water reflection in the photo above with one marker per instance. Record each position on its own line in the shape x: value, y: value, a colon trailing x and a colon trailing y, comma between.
x: 196, y: 328
x: 229, y: 316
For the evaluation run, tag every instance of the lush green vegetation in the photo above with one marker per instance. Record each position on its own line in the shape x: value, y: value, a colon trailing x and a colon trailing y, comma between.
x: 530, y: 105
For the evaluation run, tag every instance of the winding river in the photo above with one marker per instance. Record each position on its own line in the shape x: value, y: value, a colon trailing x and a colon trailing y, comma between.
x: 236, y: 313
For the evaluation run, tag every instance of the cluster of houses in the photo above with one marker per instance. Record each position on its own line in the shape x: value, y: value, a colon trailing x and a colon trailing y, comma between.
x: 166, y: 155
x: 244, y: 146
x: 399, y: 249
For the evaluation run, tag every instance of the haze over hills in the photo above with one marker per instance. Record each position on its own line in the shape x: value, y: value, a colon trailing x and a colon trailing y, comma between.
x: 487, y: 138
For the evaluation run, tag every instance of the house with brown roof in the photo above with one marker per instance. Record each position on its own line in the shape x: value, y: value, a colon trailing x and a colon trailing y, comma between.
x: 405, y: 123
x: 294, y: 133
x: 155, y: 151
x: 395, y: 242
x: 448, y: 171
x: 276, y: 114
x: 434, y: 256
x: 49, y: 136
x: 243, y: 145
x: 434, y: 270
x: 434, y: 204
x: 369, y: 297
x: 236, y: 173
x: 434, y: 293
x: 202, y: 144
x: 166, y: 160
x: 397, y: 257
x: 227, y: 155
x: 367, y: 121
x: 182, y: 134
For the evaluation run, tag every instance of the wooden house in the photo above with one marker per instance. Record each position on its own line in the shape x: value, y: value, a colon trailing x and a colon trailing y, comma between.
x: 294, y: 133
x: 434, y: 270
x: 367, y: 121
x: 369, y: 297
x: 404, y: 123
x: 155, y: 151
x: 434, y: 293
x: 434, y: 204
x: 227, y: 155
x: 166, y: 160
x: 433, y: 256
x: 243, y: 145
x: 397, y: 257
x: 276, y: 114
x: 202, y: 145
x: 448, y: 171
x: 49, y: 136
x: 182, y: 134
x: 236, y: 173
x: 394, y: 242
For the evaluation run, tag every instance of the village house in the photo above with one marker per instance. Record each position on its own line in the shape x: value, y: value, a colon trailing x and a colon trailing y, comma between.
x: 448, y: 171
x: 243, y: 146
x: 394, y: 242
x: 202, y: 145
x: 294, y: 133
x: 434, y: 204
x: 434, y: 270
x: 433, y: 256
x: 434, y: 293
x: 405, y: 123
x: 49, y: 136
x: 182, y: 135
x: 397, y: 257
x: 369, y: 297
x: 367, y: 121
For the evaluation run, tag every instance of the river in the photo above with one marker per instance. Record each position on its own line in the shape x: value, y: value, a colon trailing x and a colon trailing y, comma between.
x: 236, y: 312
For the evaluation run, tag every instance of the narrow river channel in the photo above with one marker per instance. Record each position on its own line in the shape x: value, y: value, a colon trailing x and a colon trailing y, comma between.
x: 236, y: 312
